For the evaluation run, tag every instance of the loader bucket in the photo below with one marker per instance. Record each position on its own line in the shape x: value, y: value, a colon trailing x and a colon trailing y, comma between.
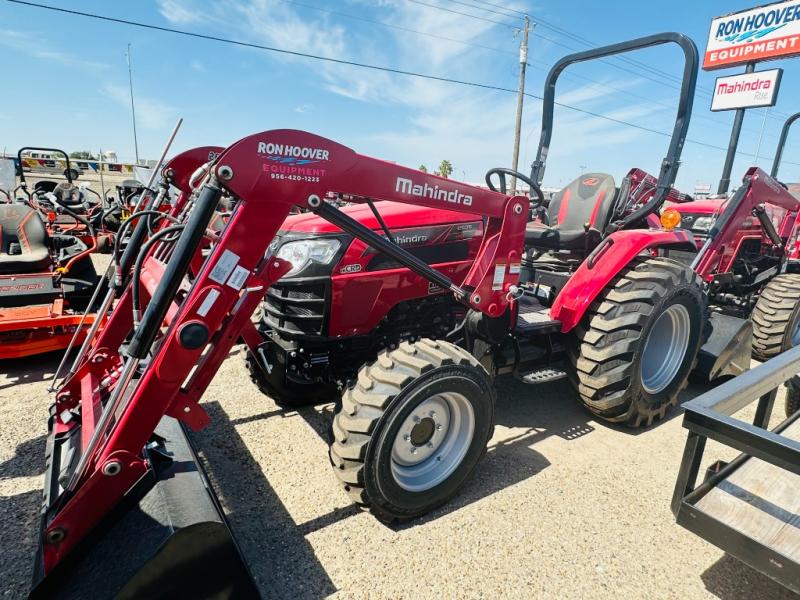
x: 727, y: 350
x: 167, y: 539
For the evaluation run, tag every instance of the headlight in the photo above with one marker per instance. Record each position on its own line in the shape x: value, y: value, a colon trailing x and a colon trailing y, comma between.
x: 703, y: 224
x: 303, y: 252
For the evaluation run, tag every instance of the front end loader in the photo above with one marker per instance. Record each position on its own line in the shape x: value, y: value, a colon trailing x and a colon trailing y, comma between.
x: 175, y: 537
x: 753, y: 272
x: 182, y: 302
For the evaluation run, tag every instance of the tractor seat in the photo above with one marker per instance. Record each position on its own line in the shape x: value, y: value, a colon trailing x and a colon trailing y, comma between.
x: 588, y: 200
x: 23, y: 240
x: 68, y: 195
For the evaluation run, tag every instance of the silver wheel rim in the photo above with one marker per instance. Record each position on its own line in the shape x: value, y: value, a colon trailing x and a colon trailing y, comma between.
x: 665, y: 348
x: 432, y: 441
x: 796, y: 335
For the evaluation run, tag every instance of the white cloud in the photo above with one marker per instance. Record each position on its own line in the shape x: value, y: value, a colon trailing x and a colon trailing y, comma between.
x: 33, y: 44
x: 473, y: 128
x: 181, y: 12
x: 150, y: 113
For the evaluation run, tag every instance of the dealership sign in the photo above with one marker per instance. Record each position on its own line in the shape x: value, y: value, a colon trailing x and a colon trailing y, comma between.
x: 749, y: 90
x: 763, y: 33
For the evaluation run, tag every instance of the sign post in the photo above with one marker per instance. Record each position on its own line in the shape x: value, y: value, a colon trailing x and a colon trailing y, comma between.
x: 746, y: 37
x: 725, y: 178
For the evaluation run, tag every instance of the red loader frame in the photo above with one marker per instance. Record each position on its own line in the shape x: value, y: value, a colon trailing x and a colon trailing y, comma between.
x: 106, y: 412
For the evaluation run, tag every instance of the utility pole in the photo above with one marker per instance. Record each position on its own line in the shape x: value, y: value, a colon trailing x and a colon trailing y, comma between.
x: 133, y: 108
x: 523, y: 63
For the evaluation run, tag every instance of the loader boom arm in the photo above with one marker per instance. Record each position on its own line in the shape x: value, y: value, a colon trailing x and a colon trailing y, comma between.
x: 108, y: 411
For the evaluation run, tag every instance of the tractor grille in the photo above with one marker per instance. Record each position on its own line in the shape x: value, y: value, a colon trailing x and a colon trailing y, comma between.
x: 297, y: 307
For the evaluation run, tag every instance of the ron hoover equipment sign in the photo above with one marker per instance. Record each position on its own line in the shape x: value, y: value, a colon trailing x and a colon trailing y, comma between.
x: 750, y: 90
x: 763, y: 33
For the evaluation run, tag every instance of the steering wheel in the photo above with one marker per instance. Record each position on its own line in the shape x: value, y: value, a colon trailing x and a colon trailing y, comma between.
x: 502, y: 172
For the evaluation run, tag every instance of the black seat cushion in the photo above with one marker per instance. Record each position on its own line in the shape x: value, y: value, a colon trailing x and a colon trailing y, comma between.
x: 68, y: 195
x: 23, y: 240
x: 586, y: 201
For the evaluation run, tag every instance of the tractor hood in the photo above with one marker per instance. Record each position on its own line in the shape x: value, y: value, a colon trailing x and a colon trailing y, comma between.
x: 699, y: 207
x: 396, y: 215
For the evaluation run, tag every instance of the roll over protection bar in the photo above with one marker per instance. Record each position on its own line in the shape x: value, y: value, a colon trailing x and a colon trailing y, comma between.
x: 776, y: 163
x: 669, y: 166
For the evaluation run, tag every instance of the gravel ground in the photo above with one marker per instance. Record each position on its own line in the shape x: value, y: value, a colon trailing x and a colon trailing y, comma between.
x: 561, y: 507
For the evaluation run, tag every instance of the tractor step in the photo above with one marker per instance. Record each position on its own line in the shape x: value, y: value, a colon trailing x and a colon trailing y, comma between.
x: 534, y: 318
x: 544, y: 374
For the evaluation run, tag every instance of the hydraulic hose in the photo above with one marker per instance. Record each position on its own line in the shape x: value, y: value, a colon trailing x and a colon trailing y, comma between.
x: 140, y: 258
x: 120, y: 269
x: 185, y: 249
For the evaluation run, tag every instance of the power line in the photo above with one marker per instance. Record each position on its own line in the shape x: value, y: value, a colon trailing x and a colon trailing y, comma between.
x: 489, y: 10
x: 702, y: 92
x: 398, y: 27
x: 463, y: 14
x: 348, y: 63
x: 519, y: 12
x: 775, y: 114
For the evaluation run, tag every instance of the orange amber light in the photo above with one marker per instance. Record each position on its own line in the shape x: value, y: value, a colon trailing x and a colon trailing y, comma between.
x: 670, y: 219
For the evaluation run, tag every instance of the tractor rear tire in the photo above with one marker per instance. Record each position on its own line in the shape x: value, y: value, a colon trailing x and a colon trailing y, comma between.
x: 412, y: 428
x: 776, y: 317
x: 633, y: 351
x: 288, y: 394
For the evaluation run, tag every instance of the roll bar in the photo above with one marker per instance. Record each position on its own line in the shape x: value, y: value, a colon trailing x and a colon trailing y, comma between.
x: 776, y: 163
x: 53, y: 150
x: 669, y: 166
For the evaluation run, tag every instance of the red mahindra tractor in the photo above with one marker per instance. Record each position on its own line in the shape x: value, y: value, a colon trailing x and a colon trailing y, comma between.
x: 595, y: 300
x: 756, y: 274
x: 625, y: 322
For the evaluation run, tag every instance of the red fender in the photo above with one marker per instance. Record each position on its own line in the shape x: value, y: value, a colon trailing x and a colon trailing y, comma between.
x: 604, y: 263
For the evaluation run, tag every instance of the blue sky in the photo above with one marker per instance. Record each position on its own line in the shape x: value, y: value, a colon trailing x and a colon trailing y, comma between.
x: 65, y: 82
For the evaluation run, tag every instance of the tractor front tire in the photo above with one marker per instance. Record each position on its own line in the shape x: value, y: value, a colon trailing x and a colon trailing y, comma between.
x: 412, y: 428
x: 776, y: 317
x: 633, y: 351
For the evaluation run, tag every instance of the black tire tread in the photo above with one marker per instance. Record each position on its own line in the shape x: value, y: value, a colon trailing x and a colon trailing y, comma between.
x: 364, y: 402
x: 772, y: 314
x: 605, y: 342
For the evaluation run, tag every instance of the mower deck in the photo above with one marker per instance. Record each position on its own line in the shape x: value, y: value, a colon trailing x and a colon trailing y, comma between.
x: 29, y: 330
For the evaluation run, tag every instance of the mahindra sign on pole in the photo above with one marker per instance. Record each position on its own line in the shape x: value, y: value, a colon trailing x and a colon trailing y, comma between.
x: 750, y: 90
x: 763, y: 33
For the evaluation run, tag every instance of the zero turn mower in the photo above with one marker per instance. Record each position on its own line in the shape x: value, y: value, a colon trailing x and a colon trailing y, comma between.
x: 45, y: 283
